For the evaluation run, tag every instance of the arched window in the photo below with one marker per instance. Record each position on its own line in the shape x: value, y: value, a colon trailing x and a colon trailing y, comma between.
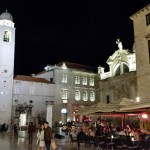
x: 120, y: 71
x: 77, y: 95
x: 125, y: 68
x: 92, y: 96
x: 85, y: 95
x: 117, y: 73
x: 6, y: 36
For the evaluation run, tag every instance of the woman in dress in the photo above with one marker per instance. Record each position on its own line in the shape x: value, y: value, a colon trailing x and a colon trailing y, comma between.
x: 40, y: 138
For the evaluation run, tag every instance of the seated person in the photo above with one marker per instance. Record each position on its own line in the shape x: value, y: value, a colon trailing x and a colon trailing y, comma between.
x: 93, y: 137
x: 82, y: 137
x: 121, y: 132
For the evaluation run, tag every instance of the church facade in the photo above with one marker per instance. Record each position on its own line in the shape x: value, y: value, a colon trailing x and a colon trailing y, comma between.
x: 75, y: 86
x: 120, y: 81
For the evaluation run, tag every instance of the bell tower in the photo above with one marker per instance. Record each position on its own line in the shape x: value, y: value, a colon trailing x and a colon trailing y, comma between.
x: 7, y: 45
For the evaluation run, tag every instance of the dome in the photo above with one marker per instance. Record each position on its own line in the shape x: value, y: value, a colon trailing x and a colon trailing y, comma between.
x: 6, y: 15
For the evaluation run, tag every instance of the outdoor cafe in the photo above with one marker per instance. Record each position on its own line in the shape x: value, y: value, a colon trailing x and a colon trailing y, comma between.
x: 120, y: 126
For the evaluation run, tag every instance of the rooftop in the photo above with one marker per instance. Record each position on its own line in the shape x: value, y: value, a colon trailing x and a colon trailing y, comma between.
x: 78, y: 66
x: 29, y: 78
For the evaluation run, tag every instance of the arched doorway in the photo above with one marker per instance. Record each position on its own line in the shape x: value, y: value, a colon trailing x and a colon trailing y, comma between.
x: 22, y: 119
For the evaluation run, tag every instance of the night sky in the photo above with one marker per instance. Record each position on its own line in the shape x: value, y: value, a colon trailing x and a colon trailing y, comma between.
x: 78, y: 31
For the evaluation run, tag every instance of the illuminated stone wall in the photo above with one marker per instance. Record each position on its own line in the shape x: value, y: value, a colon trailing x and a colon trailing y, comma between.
x: 142, y: 35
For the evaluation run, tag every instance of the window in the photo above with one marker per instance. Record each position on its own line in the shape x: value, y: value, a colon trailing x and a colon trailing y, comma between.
x: 77, y: 80
x: 92, y: 96
x: 64, y: 78
x: 148, y: 19
x: 77, y: 95
x: 107, y: 99
x: 51, y: 80
x: 64, y: 94
x: 6, y: 36
x: 84, y: 80
x: 91, y: 82
x: 85, y: 96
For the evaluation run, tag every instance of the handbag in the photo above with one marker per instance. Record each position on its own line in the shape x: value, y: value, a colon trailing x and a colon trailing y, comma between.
x: 53, y: 145
x: 38, y: 142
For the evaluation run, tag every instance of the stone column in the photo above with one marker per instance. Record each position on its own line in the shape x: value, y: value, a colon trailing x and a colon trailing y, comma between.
x: 49, y: 112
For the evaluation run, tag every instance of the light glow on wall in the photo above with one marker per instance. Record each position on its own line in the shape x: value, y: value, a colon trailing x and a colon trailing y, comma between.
x: 144, y: 116
x: 137, y: 99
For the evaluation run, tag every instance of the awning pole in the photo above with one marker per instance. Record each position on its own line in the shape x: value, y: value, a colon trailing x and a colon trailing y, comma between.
x: 123, y: 120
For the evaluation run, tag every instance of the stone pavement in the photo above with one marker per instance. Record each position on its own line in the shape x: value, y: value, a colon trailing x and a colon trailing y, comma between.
x: 22, y: 143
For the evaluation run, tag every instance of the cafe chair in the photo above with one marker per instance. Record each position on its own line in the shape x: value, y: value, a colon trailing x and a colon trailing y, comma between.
x: 118, y: 144
x: 109, y: 144
x: 131, y: 145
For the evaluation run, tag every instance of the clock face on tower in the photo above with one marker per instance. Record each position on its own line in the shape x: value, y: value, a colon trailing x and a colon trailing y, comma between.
x: 4, y: 84
x: 5, y: 71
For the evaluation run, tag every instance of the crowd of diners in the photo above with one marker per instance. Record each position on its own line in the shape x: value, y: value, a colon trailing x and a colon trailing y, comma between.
x: 100, y: 135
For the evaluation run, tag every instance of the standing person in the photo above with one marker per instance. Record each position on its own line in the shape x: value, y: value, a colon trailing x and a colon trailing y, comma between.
x: 11, y: 130
x: 40, y: 136
x: 31, y: 130
x: 47, y: 135
x: 15, y: 131
x: 3, y: 127
x: 73, y: 132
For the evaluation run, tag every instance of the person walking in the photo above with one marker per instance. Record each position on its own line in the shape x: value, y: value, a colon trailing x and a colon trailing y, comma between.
x: 47, y: 135
x: 15, y: 131
x: 40, y: 136
x: 31, y: 130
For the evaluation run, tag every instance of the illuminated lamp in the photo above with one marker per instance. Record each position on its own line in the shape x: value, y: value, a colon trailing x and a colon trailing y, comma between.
x: 137, y: 99
x: 132, y: 139
x: 64, y: 111
x: 144, y: 116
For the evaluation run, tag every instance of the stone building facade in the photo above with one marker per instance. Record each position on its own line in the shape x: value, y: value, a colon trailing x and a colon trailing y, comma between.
x: 75, y: 85
x: 30, y: 97
x: 60, y: 90
x: 141, y: 23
